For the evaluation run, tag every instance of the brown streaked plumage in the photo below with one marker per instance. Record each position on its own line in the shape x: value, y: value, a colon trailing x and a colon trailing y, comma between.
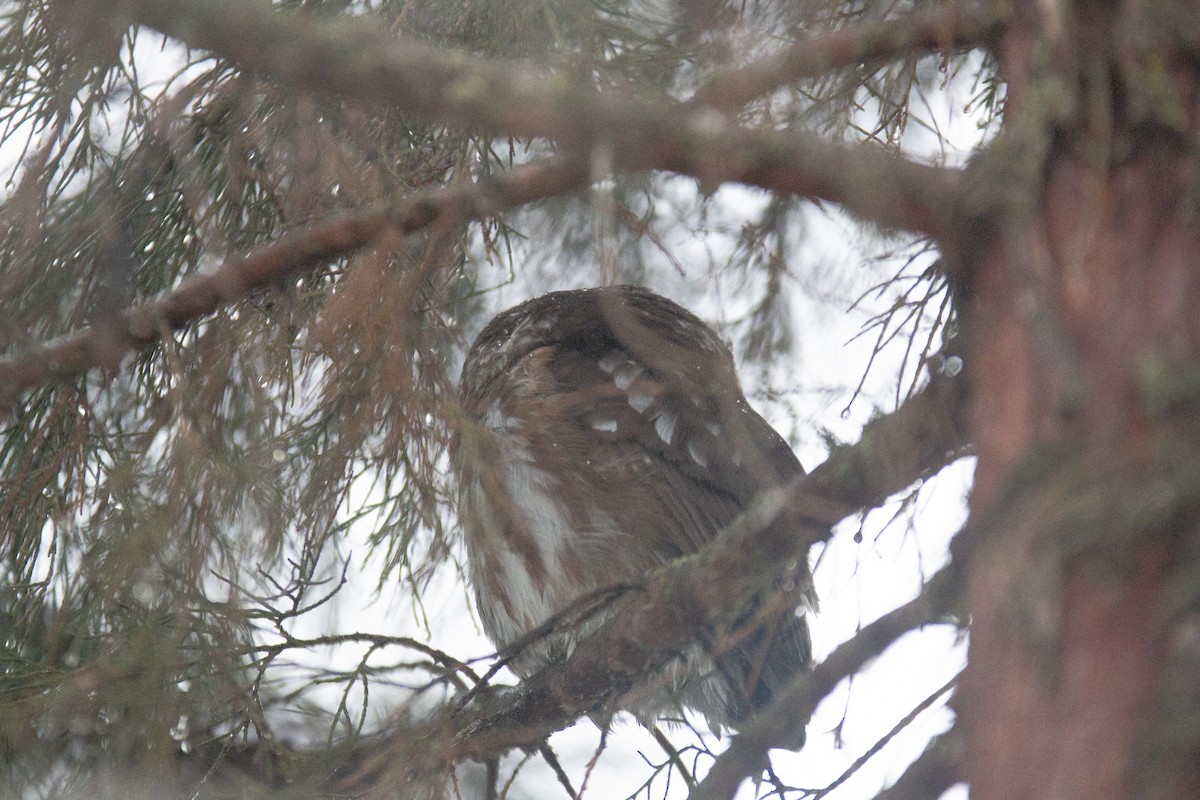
x: 610, y: 436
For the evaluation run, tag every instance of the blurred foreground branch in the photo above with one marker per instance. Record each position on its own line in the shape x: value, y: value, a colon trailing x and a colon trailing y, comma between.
x: 772, y: 728
x: 644, y: 130
x: 200, y: 294
x: 934, y: 771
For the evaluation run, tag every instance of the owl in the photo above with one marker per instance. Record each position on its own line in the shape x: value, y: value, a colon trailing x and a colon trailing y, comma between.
x: 606, y: 434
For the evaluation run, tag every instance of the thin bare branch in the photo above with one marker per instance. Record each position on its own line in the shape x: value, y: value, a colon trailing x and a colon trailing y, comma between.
x: 874, y: 749
x: 201, y: 294
x: 776, y: 725
x: 897, y: 449
x: 934, y: 771
x: 645, y: 130
x: 675, y: 759
x: 950, y: 27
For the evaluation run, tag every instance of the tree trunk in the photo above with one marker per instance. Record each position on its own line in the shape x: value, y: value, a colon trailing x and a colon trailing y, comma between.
x: 1084, y: 331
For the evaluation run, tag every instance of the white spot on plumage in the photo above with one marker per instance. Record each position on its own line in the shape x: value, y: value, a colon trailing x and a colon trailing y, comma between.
x: 665, y: 426
x: 605, y: 425
x: 640, y: 402
x: 696, y: 455
x: 609, y: 362
x: 625, y: 374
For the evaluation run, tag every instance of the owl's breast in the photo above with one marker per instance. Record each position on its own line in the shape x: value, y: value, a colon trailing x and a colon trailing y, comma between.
x: 532, y: 541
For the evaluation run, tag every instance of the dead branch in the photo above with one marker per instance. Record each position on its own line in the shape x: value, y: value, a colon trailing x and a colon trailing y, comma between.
x: 644, y: 130
x: 949, y: 27
x: 238, y: 276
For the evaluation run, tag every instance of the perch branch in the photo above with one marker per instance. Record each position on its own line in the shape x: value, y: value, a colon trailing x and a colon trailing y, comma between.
x: 650, y: 627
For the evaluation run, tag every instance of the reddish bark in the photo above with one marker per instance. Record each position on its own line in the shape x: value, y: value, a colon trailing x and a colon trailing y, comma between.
x: 1074, y: 301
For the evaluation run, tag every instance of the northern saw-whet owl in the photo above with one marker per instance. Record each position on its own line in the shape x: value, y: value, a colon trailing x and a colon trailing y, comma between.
x: 608, y: 434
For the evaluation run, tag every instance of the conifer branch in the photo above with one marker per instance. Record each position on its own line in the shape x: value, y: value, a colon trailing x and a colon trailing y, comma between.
x: 642, y: 129
x: 950, y: 27
x: 237, y: 277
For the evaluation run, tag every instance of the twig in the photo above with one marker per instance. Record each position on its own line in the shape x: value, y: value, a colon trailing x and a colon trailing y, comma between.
x: 593, y: 761
x: 775, y: 726
x: 673, y: 755
x: 575, y: 613
x: 294, y: 252
x: 564, y: 780
x: 934, y: 771
x: 879, y: 745
x: 949, y: 27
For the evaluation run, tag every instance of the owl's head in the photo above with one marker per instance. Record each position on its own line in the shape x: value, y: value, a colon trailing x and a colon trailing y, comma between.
x: 665, y: 336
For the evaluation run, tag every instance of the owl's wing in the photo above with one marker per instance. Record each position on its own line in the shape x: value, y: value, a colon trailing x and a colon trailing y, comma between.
x: 688, y: 462
x: 678, y: 468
